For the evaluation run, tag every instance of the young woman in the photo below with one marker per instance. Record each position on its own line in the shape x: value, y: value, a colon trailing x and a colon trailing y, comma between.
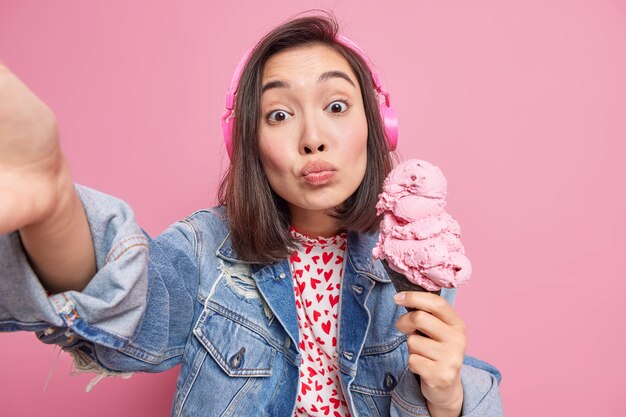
x: 271, y: 302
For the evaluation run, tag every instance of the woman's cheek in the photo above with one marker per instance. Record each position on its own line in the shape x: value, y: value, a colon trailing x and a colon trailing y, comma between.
x: 356, y: 146
x: 355, y: 133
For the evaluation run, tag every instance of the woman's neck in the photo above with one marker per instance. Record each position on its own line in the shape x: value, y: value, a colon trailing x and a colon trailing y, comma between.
x: 314, y: 223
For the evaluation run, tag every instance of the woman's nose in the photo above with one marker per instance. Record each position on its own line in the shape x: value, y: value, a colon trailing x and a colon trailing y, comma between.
x: 312, y: 140
x: 312, y: 149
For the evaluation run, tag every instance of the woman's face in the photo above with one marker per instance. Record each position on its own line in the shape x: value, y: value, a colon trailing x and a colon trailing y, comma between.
x: 312, y: 133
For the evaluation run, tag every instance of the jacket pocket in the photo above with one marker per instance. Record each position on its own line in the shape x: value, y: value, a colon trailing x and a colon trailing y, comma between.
x: 227, y: 368
x: 234, y: 345
x: 380, y: 368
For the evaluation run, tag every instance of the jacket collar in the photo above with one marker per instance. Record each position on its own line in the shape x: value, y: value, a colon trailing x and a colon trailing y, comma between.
x: 359, y: 254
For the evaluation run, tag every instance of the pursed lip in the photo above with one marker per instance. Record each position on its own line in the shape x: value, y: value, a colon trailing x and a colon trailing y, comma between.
x: 318, y: 172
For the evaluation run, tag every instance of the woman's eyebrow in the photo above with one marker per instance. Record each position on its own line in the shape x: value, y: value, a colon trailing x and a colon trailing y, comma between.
x: 323, y: 77
x: 335, y: 74
x: 275, y: 84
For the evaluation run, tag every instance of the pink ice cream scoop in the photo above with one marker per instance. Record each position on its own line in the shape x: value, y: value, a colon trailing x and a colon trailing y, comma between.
x: 419, y: 241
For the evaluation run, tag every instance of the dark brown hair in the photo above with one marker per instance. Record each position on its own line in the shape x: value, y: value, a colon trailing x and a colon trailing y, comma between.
x: 259, y: 219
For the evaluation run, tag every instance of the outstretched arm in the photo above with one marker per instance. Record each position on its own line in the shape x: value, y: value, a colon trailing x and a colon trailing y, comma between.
x: 38, y: 196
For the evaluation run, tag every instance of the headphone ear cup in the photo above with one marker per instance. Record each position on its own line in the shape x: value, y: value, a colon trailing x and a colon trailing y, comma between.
x: 227, y: 130
x: 390, y: 121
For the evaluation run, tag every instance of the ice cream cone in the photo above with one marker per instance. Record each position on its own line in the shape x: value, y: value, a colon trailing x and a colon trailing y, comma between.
x: 401, y: 283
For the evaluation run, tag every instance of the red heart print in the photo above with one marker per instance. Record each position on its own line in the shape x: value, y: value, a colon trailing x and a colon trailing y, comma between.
x: 326, y: 409
x: 319, y: 297
x: 301, y: 286
x: 314, y: 283
x: 305, y: 388
x: 307, y: 267
x: 320, y: 341
x: 339, y: 260
x: 299, y: 272
x: 318, y: 387
x: 313, y: 408
x: 307, y: 248
x: 326, y: 327
x: 326, y: 257
x: 311, y: 371
x: 316, y: 315
x: 330, y: 287
x: 308, y: 303
x: 334, y: 341
x: 319, y: 271
x: 328, y: 274
x: 315, y: 259
x: 333, y: 300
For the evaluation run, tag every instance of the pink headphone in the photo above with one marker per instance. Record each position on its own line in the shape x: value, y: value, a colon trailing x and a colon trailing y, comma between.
x: 390, y: 119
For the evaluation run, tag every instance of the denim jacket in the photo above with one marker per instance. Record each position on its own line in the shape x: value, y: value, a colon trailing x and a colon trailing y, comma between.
x: 186, y: 298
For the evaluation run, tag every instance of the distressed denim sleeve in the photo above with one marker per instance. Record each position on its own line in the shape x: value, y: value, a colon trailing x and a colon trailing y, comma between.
x: 136, y: 312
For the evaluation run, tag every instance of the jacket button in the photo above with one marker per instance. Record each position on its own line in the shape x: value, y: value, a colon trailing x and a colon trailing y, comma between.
x: 389, y: 382
x: 237, y: 360
x: 282, y: 275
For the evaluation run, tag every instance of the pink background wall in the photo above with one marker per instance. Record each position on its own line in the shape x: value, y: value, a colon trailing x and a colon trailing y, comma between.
x: 522, y: 104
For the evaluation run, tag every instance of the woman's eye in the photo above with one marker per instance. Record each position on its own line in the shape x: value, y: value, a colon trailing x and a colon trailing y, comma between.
x: 338, y: 106
x: 278, y: 116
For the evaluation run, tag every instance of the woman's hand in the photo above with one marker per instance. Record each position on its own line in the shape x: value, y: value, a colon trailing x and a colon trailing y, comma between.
x: 37, y: 195
x: 438, y: 358
x: 34, y: 177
